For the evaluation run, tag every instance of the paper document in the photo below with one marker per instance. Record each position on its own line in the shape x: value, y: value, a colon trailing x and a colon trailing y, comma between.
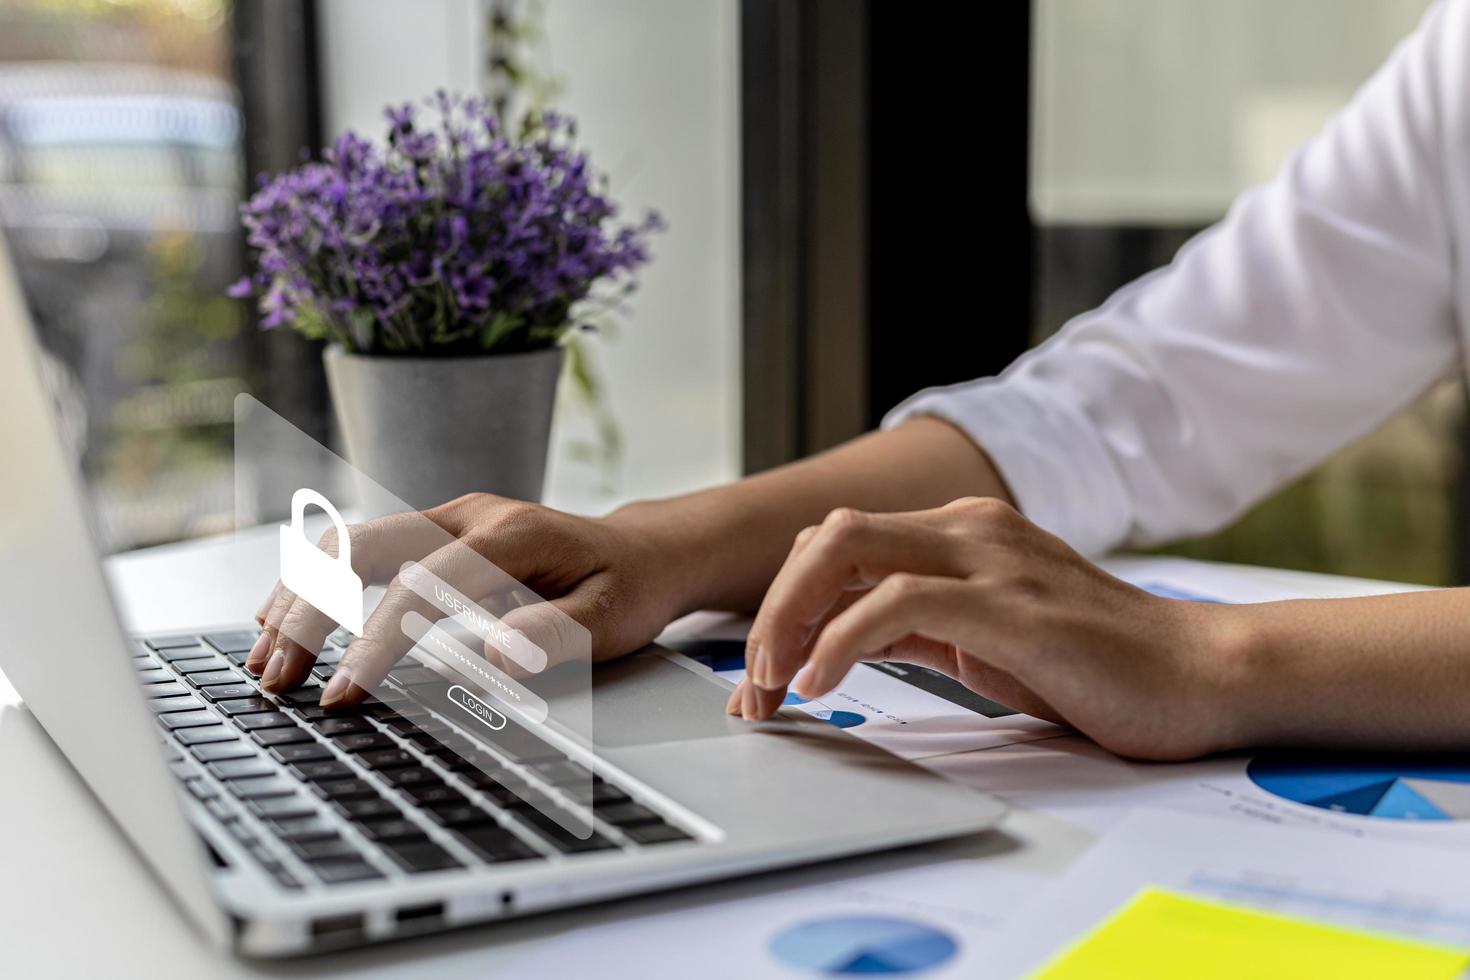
x: 1163, y: 934
x: 938, y: 921
x: 1374, y: 886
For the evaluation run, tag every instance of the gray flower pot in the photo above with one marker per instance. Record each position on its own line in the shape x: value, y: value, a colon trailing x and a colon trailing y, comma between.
x: 430, y: 429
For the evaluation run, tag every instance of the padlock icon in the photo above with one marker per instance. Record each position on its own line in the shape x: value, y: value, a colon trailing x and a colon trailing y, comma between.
x: 328, y: 583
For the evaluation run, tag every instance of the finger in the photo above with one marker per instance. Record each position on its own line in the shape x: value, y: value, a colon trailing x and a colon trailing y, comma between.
x: 946, y: 609
x: 850, y: 550
x: 754, y: 651
x: 378, y: 548
x: 299, y: 638
x: 581, y: 625
x: 265, y: 644
x: 383, y: 642
x: 265, y: 608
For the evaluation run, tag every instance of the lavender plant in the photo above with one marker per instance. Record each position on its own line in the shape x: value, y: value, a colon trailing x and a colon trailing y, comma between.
x: 450, y: 240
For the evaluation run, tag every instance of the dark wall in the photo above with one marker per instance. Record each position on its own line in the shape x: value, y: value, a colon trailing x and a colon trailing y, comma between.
x: 951, y: 256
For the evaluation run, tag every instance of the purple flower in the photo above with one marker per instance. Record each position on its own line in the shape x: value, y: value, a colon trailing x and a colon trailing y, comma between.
x: 447, y: 240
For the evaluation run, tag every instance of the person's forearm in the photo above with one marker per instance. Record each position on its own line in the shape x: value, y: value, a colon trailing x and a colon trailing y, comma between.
x: 1381, y: 672
x: 726, y: 544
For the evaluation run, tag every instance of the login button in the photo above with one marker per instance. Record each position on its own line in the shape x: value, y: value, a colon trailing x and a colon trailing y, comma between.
x: 469, y: 702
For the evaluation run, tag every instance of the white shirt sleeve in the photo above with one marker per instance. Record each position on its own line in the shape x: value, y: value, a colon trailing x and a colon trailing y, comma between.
x: 1324, y: 302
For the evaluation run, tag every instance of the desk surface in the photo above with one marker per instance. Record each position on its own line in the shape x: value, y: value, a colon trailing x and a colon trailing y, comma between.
x: 75, y: 901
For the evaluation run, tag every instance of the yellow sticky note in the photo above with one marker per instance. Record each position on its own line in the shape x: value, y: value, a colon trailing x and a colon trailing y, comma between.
x: 1164, y: 934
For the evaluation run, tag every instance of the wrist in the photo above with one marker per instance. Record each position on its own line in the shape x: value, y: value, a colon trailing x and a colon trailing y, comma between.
x: 671, y: 546
x: 1237, y: 651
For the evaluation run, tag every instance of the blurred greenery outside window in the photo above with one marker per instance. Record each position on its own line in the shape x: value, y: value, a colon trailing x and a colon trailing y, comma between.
x: 1149, y: 117
x: 120, y: 178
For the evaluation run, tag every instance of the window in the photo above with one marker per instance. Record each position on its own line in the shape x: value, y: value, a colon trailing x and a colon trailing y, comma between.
x: 1149, y: 117
x: 120, y: 175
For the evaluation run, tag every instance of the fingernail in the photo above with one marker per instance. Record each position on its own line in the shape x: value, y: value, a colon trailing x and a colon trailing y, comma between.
x: 747, y: 709
x: 273, y: 669
x: 758, y: 669
x: 257, y: 652
x: 336, y: 688
x: 807, y: 685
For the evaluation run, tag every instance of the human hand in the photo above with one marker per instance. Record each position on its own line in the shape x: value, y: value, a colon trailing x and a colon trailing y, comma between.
x: 977, y: 591
x: 611, y: 575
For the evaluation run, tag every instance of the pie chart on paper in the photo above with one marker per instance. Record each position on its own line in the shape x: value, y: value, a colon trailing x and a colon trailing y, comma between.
x: 1387, y: 787
x: 853, y: 945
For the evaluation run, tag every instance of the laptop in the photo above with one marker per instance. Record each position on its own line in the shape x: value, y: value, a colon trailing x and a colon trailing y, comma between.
x: 283, y: 829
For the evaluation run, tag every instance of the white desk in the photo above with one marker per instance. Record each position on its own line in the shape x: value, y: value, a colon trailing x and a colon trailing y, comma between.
x: 75, y: 901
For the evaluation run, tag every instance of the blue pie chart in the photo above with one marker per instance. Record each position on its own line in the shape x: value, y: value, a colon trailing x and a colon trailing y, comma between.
x: 842, y: 719
x: 1383, y: 786
x: 862, y: 945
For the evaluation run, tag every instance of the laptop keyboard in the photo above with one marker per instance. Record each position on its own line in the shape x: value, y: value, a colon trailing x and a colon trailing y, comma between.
x: 332, y: 797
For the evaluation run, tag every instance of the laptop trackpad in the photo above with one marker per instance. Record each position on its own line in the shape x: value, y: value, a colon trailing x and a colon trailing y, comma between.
x: 643, y: 698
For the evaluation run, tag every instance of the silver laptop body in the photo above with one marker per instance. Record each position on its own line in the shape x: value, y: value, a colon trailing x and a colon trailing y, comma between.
x: 696, y: 795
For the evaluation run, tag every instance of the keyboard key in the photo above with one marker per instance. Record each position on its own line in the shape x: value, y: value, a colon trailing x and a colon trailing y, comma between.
x: 655, y: 833
x: 562, y: 772
x: 281, y: 808
x: 335, y: 871
x: 315, y: 771
x: 323, y: 672
x: 234, y: 641
x: 517, y: 742
x: 181, y: 769
x: 273, y: 719
x: 188, y: 719
x: 599, y: 793
x: 301, y: 696
x: 415, y: 776
x: 494, y: 843
x: 220, y: 751
x: 300, y: 829
x: 207, y: 665
x: 206, y: 678
x: 221, y: 811
x: 561, y: 839
x: 174, y: 690
x: 271, y: 737
x: 627, y: 814
x: 161, y: 643
x: 413, y: 675
x: 318, y: 850
x: 342, y: 789
x: 247, y: 706
x: 431, y: 795
x: 382, y: 830
x: 363, y: 742
x: 332, y: 727
x: 200, y: 736
x: 417, y: 857
x: 458, y: 815
x: 240, y: 768
x: 224, y: 692
x: 388, y: 759
x: 186, y: 702
x: 301, y: 752
x: 154, y: 675
x: 261, y: 787
x: 374, y: 808
x: 181, y: 654
x: 200, y: 790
